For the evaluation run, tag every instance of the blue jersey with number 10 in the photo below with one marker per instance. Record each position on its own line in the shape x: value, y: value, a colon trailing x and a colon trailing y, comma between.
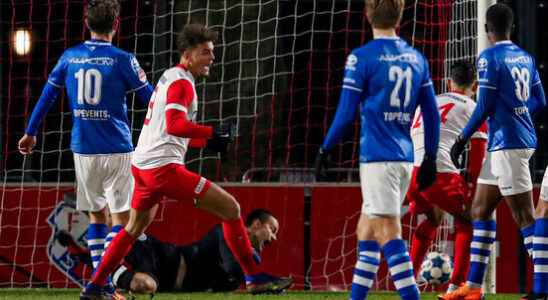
x: 97, y: 77
x: 387, y: 79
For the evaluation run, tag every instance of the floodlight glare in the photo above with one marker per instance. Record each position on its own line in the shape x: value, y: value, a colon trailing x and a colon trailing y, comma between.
x: 21, y: 42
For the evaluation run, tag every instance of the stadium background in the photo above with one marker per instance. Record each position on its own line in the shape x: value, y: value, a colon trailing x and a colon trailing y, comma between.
x: 277, y: 74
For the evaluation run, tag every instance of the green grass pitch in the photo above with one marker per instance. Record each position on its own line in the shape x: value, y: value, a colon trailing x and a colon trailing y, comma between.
x: 65, y: 294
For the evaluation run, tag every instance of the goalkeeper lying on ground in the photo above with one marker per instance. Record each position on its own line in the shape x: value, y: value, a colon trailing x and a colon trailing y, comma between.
x: 205, y: 265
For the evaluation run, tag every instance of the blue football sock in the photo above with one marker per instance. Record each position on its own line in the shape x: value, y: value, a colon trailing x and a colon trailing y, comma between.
x: 527, y: 233
x: 401, y: 269
x: 113, y: 232
x: 540, y: 256
x: 484, y: 236
x: 369, y: 257
x: 96, y: 241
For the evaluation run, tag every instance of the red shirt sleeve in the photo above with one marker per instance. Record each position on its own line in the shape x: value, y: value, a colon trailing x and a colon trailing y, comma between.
x: 481, y: 133
x: 197, y: 143
x: 180, y: 95
x: 475, y: 158
x: 180, y: 92
x: 483, y: 128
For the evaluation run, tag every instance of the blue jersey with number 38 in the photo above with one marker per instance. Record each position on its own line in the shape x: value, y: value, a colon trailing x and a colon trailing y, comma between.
x: 97, y: 77
x: 387, y: 79
x: 509, y: 85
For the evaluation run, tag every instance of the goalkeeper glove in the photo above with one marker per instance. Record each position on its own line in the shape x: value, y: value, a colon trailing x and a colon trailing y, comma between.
x: 456, y: 151
x: 321, y: 165
x: 427, y: 172
x: 221, y: 139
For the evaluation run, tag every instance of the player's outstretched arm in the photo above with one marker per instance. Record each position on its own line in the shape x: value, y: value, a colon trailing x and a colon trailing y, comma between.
x: 485, y: 104
x: 46, y: 101
x: 345, y: 115
x: 144, y: 93
x: 538, y: 99
x: 486, y: 101
x: 431, y: 118
x: 135, y: 77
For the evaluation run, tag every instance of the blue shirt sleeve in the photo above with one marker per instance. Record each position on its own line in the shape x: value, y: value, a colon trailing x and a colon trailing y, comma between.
x: 354, y: 73
x: 46, y: 101
x: 487, y: 94
x: 57, y: 75
x: 487, y: 71
x: 135, y: 77
x: 430, y: 115
x: 145, y: 93
x: 538, y: 99
x: 346, y: 113
x: 485, y: 105
x: 353, y: 86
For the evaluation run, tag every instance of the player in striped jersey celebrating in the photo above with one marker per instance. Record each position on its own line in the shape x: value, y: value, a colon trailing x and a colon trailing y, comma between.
x: 159, y: 166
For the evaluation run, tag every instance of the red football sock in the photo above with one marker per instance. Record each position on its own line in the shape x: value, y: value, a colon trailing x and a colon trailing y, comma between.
x: 237, y: 240
x: 115, y: 253
x: 463, y: 238
x: 422, y: 239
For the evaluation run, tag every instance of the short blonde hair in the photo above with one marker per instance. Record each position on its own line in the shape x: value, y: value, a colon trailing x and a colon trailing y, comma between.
x: 384, y: 14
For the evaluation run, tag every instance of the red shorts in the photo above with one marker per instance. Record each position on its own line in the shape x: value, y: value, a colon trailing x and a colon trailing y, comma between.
x: 448, y: 193
x: 173, y: 181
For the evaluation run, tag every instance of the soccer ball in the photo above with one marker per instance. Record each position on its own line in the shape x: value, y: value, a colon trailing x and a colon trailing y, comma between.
x: 436, y: 268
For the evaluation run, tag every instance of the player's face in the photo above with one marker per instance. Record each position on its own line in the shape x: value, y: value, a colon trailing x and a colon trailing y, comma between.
x: 201, y: 58
x: 263, y: 233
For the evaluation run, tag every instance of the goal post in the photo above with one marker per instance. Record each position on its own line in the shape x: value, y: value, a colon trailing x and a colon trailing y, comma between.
x: 490, y: 280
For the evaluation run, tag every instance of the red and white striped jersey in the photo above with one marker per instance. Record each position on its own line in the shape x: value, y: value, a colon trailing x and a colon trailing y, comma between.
x: 455, y: 111
x: 156, y: 147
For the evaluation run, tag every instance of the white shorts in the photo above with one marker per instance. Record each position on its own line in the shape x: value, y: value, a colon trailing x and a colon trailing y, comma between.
x: 511, y: 168
x: 486, y: 176
x: 544, y: 187
x: 384, y: 185
x: 103, y: 179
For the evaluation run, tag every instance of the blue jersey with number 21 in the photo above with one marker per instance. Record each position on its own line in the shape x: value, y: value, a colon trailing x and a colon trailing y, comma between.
x: 387, y: 79
x: 97, y: 76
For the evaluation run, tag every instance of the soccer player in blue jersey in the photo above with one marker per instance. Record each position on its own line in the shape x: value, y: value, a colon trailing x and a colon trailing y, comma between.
x: 97, y: 77
x: 510, y: 92
x: 387, y: 79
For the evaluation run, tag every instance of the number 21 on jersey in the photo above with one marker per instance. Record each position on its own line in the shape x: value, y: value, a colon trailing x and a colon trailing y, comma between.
x: 399, y: 76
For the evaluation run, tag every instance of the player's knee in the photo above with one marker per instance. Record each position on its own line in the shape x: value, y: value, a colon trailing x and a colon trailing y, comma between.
x: 364, y: 230
x: 138, y: 222
x: 365, y: 233
x: 542, y: 209
x: 98, y: 217
x: 121, y: 218
x: 523, y: 218
x: 143, y: 284
x: 480, y: 212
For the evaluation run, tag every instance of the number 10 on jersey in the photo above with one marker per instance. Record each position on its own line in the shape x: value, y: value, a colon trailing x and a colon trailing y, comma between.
x: 88, y: 79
